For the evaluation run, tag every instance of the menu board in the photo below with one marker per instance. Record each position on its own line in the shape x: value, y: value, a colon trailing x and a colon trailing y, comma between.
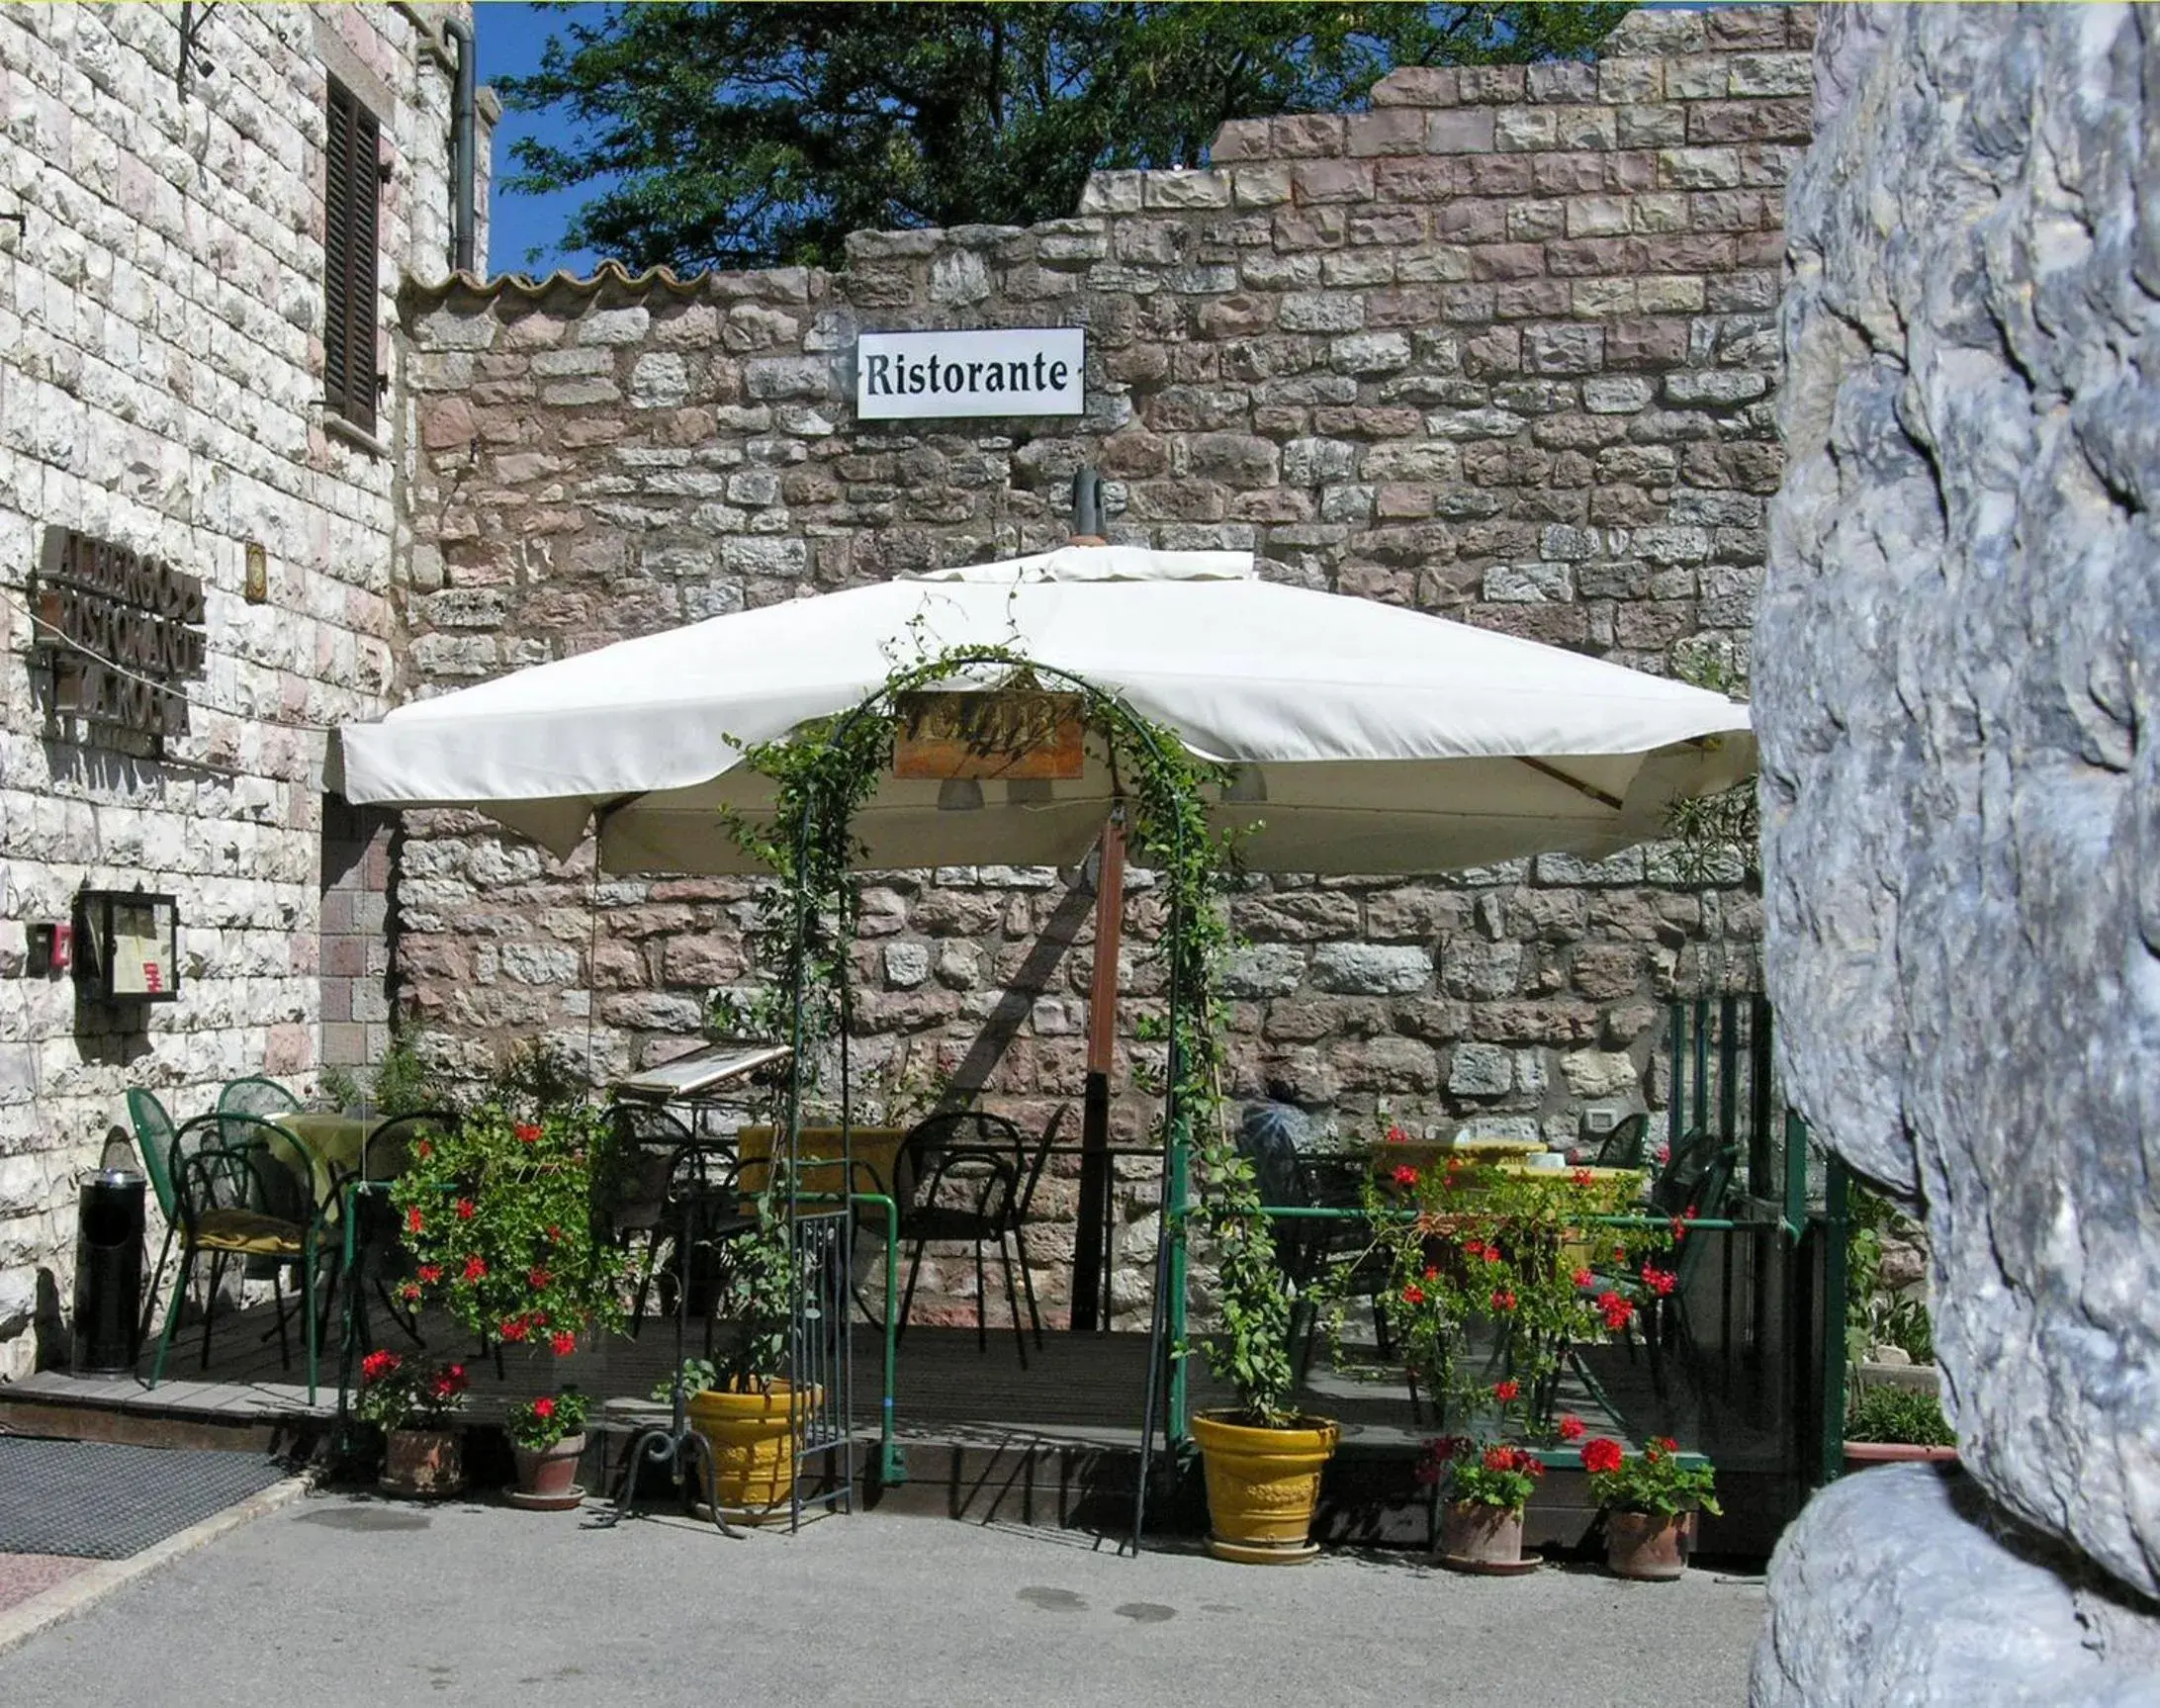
x: 140, y: 950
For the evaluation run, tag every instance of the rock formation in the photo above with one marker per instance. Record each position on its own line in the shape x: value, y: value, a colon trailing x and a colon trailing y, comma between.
x: 1953, y: 668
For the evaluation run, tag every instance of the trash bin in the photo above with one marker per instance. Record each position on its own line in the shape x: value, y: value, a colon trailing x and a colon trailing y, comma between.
x: 108, y: 1227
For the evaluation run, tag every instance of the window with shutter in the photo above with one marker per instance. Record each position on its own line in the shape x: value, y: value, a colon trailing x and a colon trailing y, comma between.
x: 351, y: 201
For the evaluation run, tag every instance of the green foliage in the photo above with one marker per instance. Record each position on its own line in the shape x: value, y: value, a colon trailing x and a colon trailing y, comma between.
x: 399, y: 1393
x: 1882, y: 1411
x: 504, y: 1216
x: 1874, y: 1317
x: 401, y: 1083
x: 1481, y: 1257
x: 740, y: 135
x: 1652, y: 1480
x: 538, y: 1424
x: 698, y: 1375
x: 1481, y: 1472
x: 1716, y: 835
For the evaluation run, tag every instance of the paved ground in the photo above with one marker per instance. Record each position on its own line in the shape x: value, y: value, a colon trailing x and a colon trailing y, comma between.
x: 342, y: 1599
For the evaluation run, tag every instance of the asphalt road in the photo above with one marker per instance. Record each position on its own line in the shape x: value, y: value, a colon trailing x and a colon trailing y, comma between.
x: 338, y: 1598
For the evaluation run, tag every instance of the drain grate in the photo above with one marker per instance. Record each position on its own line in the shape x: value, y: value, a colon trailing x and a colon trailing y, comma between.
x: 99, y: 1500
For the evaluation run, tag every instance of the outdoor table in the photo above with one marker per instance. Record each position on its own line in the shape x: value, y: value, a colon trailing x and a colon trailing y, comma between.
x: 334, y: 1143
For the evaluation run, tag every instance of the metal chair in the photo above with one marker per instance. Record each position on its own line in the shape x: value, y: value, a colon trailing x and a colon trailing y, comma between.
x: 154, y: 1135
x: 671, y: 1166
x: 219, y: 1193
x: 376, y: 1255
x: 1623, y: 1146
x: 257, y: 1096
x: 957, y: 1177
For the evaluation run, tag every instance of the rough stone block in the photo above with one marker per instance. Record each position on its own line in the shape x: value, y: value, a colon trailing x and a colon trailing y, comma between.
x: 1371, y: 969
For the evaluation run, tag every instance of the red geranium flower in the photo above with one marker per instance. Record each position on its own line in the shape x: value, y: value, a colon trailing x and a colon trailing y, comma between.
x: 1601, y: 1455
x: 527, y: 1133
x: 539, y: 1277
x: 1405, y: 1175
x: 1414, y: 1294
x: 1664, y: 1154
x: 413, y: 1220
x: 430, y: 1273
x: 1499, y: 1459
x: 378, y: 1365
x: 465, y: 1209
x: 1572, y: 1427
x: 554, y: 1233
x: 1583, y: 1278
x: 426, y: 1148
x: 563, y: 1342
x: 1666, y: 1444
x: 410, y: 1292
x: 1492, y: 1254
x: 1506, y: 1390
x: 1616, y: 1310
x: 1659, y: 1281
x: 476, y: 1268
x: 513, y: 1328
x: 1433, y: 1274
x: 543, y: 1407
x: 1396, y: 1135
x: 1503, y: 1301
x: 1583, y: 1177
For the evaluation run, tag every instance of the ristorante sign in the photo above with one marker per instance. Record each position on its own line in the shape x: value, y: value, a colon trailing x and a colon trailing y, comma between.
x: 912, y: 376
x: 120, y: 634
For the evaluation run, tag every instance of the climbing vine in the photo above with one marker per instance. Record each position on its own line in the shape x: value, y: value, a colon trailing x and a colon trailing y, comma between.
x: 825, y: 772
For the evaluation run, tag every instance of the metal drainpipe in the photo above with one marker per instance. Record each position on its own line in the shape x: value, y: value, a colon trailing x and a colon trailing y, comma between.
x: 464, y: 146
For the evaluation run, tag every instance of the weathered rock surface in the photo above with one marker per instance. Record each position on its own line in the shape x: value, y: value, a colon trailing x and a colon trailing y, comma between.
x: 1953, y: 672
x: 1895, y: 1588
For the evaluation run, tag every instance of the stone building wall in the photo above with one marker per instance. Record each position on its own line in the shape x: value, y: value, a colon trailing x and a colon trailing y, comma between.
x: 1498, y: 349
x: 160, y: 388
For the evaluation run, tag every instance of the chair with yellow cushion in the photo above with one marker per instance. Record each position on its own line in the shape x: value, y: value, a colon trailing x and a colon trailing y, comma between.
x: 222, y: 1196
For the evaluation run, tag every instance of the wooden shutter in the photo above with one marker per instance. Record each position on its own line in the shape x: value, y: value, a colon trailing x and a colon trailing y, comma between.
x: 352, y: 191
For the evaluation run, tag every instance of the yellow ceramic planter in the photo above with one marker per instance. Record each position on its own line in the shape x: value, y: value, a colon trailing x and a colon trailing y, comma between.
x: 754, y: 1437
x: 1262, y: 1486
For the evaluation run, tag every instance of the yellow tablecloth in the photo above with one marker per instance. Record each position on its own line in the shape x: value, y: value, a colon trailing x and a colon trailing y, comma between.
x: 334, y: 1143
x: 873, y: 1149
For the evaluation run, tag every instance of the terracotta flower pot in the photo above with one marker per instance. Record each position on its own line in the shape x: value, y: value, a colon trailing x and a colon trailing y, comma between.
x: 1650, y: 1546
x: 426, y: 1463
x: 1475, y: 1537
x: 549, y: 1473
x: 1860, y: 1454
x: 1263, y: 1485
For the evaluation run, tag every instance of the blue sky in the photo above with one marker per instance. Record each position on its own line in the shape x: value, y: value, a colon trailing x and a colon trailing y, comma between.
x: 511, y: 37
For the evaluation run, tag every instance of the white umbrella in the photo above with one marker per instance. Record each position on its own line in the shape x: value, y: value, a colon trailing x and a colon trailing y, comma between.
x: 1370, y: 739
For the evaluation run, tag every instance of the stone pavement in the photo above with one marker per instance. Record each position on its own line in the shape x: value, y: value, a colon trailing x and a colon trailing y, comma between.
x: 349, y: 1598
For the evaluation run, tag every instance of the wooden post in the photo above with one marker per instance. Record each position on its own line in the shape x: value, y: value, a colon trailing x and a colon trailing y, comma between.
x: 1091, y: 1234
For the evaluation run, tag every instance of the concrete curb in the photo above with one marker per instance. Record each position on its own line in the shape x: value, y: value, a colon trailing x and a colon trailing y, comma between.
x: 79, y: 1594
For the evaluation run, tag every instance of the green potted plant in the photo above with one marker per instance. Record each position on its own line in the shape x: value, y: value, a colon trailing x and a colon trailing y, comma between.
x: 1262, y: 1458
x: 502, y: 1216
x: 1649, y: 1500
x: 547, y: 1436
x: 411, y: 1403
x: 751, y: 1416
x: 1890, y: 1425
x: 1484, y: 1486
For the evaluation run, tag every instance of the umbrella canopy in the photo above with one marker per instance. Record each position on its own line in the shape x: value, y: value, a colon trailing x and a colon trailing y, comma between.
x: 1370, y: 739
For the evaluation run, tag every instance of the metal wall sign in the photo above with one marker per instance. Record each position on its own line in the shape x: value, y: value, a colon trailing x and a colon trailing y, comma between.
x: 102, y: 606
x: 912, y: 376
x: 1017, y: 736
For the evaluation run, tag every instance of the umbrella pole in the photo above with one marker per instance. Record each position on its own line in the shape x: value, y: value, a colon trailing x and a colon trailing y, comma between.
x: 1091, y: 1238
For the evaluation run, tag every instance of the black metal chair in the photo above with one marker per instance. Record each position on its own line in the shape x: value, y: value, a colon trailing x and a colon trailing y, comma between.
x: 668, y: 1170
x: 222, y: 1193
x: 958, y: 1176
x: 1623, y: 1146
x: 378, y: 1257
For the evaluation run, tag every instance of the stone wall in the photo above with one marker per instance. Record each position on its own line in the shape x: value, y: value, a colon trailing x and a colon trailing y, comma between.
x: 1499, y: 348
x: 160, y: 386
x: 1959, y: 791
